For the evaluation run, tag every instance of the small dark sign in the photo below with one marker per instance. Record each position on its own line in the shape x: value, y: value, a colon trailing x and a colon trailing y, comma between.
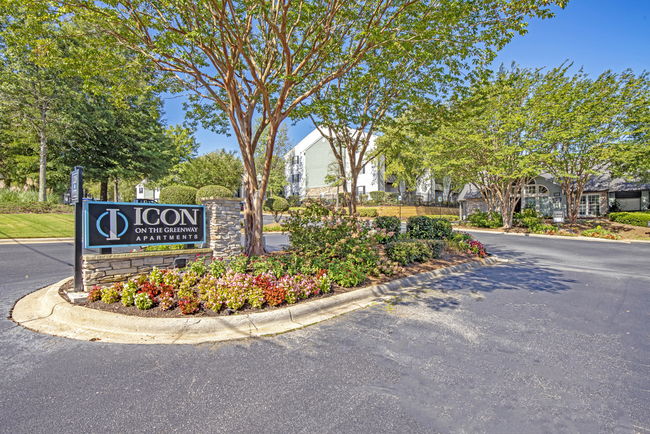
x: 116, y: 224
x: 556, y: 194
x: 74, y: 186
x: 558, y: 216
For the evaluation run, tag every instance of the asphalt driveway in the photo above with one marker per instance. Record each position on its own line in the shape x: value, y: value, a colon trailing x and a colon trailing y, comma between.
x: 558, y: 340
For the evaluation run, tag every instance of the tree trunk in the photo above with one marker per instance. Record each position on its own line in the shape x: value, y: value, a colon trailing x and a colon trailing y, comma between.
x: 42, y: 193
x: 115, y: 190
x: 337, y: 197
x: 352, y: 205
x: 103, y: 191
x: 253, y: 219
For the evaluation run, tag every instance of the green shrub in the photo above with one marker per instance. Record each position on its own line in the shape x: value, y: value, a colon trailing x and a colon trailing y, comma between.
x: 391, y: 224
x: 347, y: 273
x: 212, y: 191
x: 378, y: 196
x: 391, y: 198
x: 178, y: 194
x: 363, y: 198
x: 427, y: 228
x: 143, y: 301
x: 482, y: 219
x: 277, y: 206
x: 342, y: 200
x: 406, y: 252
x: 112, y: 294
x: 317, y: 231
x: 128, y: 292
x: 164, y: 247
x: 367, y: 212
x: 631, y: 218
x: 600, y: 233
x: 294, y: 201
x: 527, y: 219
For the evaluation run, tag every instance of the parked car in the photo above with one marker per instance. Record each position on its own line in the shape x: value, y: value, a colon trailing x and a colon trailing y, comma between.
x: 145, y: 201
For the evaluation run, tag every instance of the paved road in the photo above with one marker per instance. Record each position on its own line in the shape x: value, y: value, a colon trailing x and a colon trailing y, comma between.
x: 558, y: 340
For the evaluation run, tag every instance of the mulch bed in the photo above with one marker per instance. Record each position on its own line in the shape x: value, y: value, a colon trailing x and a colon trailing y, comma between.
x: 447, y: 260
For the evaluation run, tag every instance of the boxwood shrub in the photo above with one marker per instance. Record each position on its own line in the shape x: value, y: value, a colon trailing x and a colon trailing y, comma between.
x: 427, y: 228
x: 408, y: 251
x: 631, y: 218
x: 178, y: 194
x: 391, y: 224
x: 212, y: 191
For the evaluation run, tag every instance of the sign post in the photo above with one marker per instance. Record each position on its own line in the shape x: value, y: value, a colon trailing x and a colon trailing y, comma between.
x: 440, y: 205
x: 399, y: 199
x: 76, y: 197
x: 558, y: 217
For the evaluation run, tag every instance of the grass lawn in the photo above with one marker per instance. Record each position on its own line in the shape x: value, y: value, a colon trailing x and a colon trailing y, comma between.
x: 36, y: 225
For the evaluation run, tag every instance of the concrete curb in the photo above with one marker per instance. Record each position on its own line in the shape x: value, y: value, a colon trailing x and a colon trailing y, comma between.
x: 578, y: 238
x: 35, y: 240
x: 44, y: 311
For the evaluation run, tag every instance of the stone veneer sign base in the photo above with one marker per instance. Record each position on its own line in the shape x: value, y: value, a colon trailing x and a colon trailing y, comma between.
x: 103, y: 270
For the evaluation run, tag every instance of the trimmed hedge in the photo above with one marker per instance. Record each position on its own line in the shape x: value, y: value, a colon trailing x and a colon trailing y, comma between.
x: 450, y: 218
x: 631, y: 218
x: 276, y: 204
x: 367, y: 212
x: 178, y: 194
x: 212, y: 191
x: 427, y: 228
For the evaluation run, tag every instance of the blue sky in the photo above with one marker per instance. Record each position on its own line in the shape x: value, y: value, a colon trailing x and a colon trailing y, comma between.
x: 595, y: 34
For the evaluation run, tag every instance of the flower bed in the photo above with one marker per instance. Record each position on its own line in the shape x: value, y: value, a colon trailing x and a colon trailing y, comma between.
x: 345, y: 252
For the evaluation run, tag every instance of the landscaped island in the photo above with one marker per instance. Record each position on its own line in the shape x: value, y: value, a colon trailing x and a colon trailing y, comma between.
x: 329, y: 253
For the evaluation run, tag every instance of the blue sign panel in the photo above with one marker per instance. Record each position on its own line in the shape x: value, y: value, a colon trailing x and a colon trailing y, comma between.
x: 117, y: 224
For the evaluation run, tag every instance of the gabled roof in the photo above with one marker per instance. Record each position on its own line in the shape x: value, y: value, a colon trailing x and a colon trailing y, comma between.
x: 604, y: 182
x: 469, y: 192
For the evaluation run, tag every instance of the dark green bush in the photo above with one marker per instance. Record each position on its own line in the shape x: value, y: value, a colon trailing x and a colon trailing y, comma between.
x: 427, y: 228
x: 363, y: 198
x: 212, y: 191
x: 482, y: 219
x: 277, y: 206
x: 391, y: 224
x: 178, y: 194
x: 378, y: 196
x: 408, y: 251
x: 631, y: 218
x: 294, y: 201
x: 527, y: 219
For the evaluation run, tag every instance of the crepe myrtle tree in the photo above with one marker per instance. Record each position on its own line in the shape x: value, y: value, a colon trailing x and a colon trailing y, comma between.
x: 349, y: 110
x: 243, y: 59
x: 585, y: 126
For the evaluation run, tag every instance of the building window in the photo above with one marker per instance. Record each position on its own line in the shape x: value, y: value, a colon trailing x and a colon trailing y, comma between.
x: 363, y: 170
x: 295, y: 177
x: 295, y: 160
x: 530, y: 189
x: 589, y: 205
x: 141, y: 190
x: 542, y: 190
x: 361, y: 190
